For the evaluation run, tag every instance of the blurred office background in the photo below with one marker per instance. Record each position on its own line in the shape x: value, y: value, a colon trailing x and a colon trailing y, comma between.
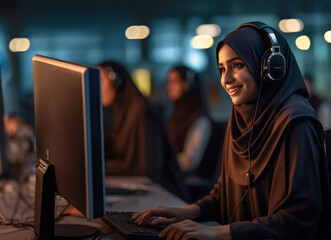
x: 89, y: 32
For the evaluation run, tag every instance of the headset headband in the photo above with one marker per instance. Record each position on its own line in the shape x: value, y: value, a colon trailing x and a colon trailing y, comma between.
x: 273, y: 64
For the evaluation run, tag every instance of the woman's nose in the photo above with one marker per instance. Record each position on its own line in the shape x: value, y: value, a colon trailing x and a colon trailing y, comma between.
x: 227, y: 77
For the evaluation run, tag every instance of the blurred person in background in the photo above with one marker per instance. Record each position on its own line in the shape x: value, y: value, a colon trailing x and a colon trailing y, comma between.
x: 321, y: 106
x: 20, y: 139
x: 189, y: 126
x: 135, y: 141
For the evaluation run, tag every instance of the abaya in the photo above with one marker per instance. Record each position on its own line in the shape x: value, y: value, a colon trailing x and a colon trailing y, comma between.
x: 135, y: 139
x: 290, y: 194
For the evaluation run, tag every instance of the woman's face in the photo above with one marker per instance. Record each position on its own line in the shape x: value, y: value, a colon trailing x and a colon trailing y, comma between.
x: 108, y: 91
x: 176, y: 86
x: 235, y: 77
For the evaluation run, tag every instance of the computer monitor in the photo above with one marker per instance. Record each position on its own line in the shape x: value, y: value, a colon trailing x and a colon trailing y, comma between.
x: 4, y: 164
x: 69, y: 143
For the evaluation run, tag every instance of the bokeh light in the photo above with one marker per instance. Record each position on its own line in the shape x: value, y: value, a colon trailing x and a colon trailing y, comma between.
x: 19, y: 45
x: 137, y: 32
x: 212, y: 30
x: 327, y: 36
x: 291, y: 25
x: 202, y: 42
x: 303, y: 42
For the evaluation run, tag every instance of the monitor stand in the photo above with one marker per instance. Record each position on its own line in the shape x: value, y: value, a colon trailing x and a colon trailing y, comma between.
x: 44, y: 225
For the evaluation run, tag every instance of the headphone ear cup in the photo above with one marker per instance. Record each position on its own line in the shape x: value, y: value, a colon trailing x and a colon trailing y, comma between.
x: 273, y: 66
x: 264, y: 65
x: 118, y: 83
x: 115, y: 78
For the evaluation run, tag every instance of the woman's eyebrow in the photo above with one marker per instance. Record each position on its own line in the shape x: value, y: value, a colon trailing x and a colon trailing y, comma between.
x: 229, y: 60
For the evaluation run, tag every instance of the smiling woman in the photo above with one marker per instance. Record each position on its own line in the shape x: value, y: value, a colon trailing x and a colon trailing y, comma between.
x: 274, y: 178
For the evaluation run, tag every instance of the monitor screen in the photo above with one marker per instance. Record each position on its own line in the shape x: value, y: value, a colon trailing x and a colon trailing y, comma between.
x: 4, y: 165
x: 69, y: 138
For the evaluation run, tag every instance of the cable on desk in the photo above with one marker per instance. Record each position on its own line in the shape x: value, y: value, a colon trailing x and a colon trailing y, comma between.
x: 12, y: 230
x: 3, y: 219
x: 20, y: 182
x: 5, y: 200
x: 16, y: 204
x: 15, y: 222
x: 26, y: 219
x: 22, y: 197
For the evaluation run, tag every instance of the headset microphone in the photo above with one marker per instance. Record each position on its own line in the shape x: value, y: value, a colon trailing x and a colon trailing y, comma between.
x: 249, y: 179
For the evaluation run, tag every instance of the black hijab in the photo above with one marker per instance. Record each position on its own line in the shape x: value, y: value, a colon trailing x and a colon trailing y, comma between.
x: 250, y: 44
x: 187, y: 109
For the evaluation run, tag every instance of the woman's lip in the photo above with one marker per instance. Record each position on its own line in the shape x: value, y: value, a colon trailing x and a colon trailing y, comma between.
x: 233, y: 90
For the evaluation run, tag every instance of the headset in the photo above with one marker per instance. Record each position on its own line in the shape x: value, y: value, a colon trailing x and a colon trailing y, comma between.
x: 187, y: 75
x: 115, y: 78
x: 273, y: 63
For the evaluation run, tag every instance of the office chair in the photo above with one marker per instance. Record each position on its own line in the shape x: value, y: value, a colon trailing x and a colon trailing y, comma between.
x: 206, y: 176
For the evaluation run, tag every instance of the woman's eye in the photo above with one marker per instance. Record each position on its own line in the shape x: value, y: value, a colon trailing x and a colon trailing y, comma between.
x: 222, y: 70
x: 238, y: 65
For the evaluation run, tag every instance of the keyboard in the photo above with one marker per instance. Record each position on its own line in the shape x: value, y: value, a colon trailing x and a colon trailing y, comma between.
x: 121, y: 221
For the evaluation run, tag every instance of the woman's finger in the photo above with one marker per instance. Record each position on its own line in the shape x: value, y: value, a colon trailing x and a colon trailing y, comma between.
x: 144, y: 217
x: 137, y: 215
x: 190, y: 235
x: 179, y: 233
x: 165, y: 231
x: 171, y: 232
x: 163, y: 221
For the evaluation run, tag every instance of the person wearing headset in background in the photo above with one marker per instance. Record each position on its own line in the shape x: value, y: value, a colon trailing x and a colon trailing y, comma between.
x: 135, y: 141
x: 189, y: 126
x: 274, y: 182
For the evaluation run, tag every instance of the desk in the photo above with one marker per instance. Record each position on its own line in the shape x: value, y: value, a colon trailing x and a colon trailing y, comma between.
x: 155, y: 196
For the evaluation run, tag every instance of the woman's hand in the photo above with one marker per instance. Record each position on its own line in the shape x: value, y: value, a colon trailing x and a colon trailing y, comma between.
x: 188, y: 229
x: 168, y: 214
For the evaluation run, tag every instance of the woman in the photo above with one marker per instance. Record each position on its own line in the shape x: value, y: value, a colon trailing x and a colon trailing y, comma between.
x: 274, y: 180
x: 189, y: 127
x: 134, y: 138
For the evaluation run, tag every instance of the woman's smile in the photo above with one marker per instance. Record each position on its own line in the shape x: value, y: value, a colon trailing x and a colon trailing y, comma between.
x: 233, y: 90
